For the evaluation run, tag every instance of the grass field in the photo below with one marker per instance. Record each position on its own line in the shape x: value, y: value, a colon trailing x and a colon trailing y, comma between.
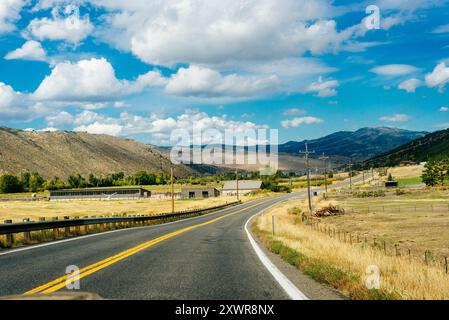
x: 344, y: 265
x: 405, y: 182
x: 406, y: 172
x: 417, y: 220
x: 17, y: 210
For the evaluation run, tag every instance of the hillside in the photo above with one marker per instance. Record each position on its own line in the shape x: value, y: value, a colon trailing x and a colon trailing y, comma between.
x: 64, y: 153
x: 361, y: 144
x: 431, y: 146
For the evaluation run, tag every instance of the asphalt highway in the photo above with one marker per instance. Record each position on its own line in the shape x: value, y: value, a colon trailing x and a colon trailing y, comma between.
x: 208, y: 257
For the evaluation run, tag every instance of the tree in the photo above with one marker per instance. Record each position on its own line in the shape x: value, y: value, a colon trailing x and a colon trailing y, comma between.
x: 390, y: 177
x: 10, y: 184
x: 35, y: 182
x: 436, y: 172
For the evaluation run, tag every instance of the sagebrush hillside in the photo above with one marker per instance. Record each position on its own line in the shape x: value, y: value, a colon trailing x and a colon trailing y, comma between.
x: 65, y: 153
x: 432, y: 146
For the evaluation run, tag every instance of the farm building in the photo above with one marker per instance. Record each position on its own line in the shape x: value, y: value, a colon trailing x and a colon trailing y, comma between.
x: 100, y: 194
x: 245, y: 187
x: 196, y: 193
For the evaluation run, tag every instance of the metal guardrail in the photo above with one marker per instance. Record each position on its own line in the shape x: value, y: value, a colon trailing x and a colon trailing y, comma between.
x: 11, y: 228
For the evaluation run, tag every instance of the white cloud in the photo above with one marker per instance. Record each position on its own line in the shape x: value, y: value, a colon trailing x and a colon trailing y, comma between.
x: 158, y: 128
x: 31, y: 50
x: 410, y: 85
x: 101, y: 128
x: 438, y: 77
x: 174, y: 31
x: 296, y: 122
x: 444, y: 109
x: 17, y: 106
x: 394, y: 70
x: 396, y: 118
x: 10, y: 13
x: 69, y: 26
x: 324, y: 89
x: 441, y: 29
x: 203, y: 82
x: 91, y: 80
x: 293, y: 112
x: 59, y: 120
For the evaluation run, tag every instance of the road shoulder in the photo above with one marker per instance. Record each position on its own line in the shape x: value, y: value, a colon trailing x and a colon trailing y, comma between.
x: 311, y: 288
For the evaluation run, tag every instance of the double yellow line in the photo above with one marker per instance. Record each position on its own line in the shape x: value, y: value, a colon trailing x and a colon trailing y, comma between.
x: 61, y: 282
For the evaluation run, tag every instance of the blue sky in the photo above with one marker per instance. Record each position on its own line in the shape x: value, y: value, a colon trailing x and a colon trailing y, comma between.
x: 145, y: 68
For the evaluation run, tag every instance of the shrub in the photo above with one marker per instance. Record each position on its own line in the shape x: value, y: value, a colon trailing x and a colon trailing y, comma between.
x: 10, y: 184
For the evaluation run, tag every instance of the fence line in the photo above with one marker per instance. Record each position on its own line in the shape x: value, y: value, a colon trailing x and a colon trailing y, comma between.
x: 388, y: 249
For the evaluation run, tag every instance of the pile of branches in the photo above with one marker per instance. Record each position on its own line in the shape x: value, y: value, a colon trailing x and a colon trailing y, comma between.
x: 329, y: 211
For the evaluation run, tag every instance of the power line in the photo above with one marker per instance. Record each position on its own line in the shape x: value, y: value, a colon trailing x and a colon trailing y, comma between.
x: 306, y: 154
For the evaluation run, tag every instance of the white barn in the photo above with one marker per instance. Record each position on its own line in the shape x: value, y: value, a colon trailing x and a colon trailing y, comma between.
x: 245, y: 187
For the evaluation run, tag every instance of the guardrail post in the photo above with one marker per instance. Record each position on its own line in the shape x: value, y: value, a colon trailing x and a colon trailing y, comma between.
x: 9, y: 237
x: 56, y: 230
x: 27, y: 235
x: 66, y: 229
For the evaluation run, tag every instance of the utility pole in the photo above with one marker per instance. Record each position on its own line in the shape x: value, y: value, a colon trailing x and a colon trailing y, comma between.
x: 172, y: 191
x: 306, y: 154
x: 363, y: 173
x: 350, y: 175
x: 237, y: 184
x: 325, y: 170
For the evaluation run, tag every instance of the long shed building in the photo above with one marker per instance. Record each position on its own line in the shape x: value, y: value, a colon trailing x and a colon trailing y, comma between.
x: 100, y: 194
x: 245, y: 187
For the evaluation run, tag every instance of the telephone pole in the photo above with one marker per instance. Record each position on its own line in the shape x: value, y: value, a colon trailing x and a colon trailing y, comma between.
x: 306, y: 154
x: 237, y: 184
x: 325, y: 170
x: 350, y: 175
x: 172, y: 191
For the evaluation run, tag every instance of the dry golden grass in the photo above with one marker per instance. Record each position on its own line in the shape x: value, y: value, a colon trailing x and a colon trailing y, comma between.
x: 395, y: 220
x: 400, y: 277
x: 17, y: 210
x: 406, y: 172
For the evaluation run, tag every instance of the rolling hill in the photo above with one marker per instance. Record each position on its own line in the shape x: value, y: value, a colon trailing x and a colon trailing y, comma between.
x: 361, y: 144
x: 65, y: 153
x: 432, y: 146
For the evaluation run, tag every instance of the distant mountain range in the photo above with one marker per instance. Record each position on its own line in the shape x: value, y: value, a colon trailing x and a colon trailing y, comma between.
x: 361, y: 144
x: 432, y: 146
x: 65, y: 153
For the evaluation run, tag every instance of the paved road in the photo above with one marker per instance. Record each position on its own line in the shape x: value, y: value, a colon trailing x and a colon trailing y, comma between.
x: 207, y: 257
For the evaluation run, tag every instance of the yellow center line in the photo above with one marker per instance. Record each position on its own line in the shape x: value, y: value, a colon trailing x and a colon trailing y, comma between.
x: 60, y: 282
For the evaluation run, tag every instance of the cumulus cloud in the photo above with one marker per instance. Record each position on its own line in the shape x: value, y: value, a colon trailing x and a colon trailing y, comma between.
x: 69, y: 26
x: 396, y: 118
x: 17, y: 106
x: 31, y: 50
x: 203, y: 82
x: 438, y: 77
x: 394, y: 70
x: 158, y: 128
x: 296, y: 122
x: 410, y: 85
x: 10, y: 13
x: 444, y: 109
x: 90, y: 80
x: 324, y: 89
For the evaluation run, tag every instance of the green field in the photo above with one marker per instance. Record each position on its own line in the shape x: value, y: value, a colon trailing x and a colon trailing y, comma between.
x: 404, y: 182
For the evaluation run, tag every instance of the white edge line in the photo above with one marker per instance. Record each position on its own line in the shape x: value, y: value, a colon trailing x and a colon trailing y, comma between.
x: 292, y: 291
x: 53, y: 243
